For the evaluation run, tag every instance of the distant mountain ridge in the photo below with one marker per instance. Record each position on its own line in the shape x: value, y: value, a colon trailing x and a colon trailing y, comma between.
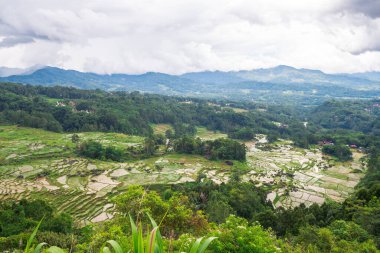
x: 280, y: 74
x: 285, y: 74
x: 50, y: 76
x: 5, y: 71
x: 245, y: 84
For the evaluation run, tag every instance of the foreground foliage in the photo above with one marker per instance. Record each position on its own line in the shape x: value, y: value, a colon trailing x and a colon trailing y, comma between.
x: 153, y: 243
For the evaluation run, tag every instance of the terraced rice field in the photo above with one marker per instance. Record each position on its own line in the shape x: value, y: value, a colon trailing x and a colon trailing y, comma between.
x: 302, y: 176
x: 36, y: 163
x: 39, y: 164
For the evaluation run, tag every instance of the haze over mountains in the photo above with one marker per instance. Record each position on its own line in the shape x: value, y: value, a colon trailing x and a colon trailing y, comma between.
x: 266, y: 84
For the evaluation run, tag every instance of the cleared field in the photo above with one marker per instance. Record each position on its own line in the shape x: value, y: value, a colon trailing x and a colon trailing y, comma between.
x: 202, y: 132
x: 206, y: 134
x: 113, y: 139
x: 237, y: 110
x: 161, y: 128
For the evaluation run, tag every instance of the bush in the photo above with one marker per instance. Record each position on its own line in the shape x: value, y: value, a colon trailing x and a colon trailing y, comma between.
x: 343, y: 153
x: 95, y: 150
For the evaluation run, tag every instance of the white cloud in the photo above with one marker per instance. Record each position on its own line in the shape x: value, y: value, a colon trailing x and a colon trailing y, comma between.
x: 179, y: 36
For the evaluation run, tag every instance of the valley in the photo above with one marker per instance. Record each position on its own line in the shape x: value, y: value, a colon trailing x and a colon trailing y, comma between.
x: 190, y: 126
x: 86, y: 159
x: 42, y: 164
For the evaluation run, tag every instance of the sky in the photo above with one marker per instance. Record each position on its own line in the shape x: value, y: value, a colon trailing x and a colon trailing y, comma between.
x: 178, y: 36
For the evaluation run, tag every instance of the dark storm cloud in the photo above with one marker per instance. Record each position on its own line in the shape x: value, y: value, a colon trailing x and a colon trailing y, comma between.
x: 370, y: 8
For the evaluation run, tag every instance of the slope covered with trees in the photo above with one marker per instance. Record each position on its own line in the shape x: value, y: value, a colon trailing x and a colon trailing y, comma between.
x: 357, y: 115
x: 71, y: 110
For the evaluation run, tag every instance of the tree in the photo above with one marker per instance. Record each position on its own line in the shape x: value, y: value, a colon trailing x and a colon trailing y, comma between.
x: 237, y: 236
x: 342, y: 152
x: 113, y: 153
x: 217, y: 208
x: 175, y: 213
x: 150, y: 146
x: 169, y: 134
x: 91, y: 149
x: 75, y: 138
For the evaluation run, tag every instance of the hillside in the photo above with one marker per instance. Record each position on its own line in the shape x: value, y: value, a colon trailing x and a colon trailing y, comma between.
x: 87, y: 158
x: 282, y: 83
x: 361, y: 116
x: 68, y: 109
x: 36, y: 163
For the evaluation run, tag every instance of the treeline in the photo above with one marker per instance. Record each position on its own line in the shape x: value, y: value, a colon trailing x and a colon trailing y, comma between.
x: 220, y: 149
x: 342, y: 152
x: 73, y: 110
x: 95, y: 150
x: 372, y: 176
x: 216, y: 149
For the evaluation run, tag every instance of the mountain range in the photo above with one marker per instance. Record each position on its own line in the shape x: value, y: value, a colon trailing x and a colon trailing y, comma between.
x: 254, y: 84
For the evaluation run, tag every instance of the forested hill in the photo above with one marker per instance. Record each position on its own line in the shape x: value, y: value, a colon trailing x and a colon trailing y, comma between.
x: 357, y: 115
x: 279, y: 84
x: 73, y: 110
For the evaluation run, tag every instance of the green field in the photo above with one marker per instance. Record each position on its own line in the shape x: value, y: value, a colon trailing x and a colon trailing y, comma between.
x: 161, y: 128
x: 206, y: 134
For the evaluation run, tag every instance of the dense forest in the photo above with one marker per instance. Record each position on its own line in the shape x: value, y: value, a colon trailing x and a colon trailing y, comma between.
x: 359, y: 115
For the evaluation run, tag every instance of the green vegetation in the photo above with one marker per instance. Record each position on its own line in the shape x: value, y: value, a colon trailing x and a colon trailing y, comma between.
x: 161, y: 128
x: 360, y: 115
x: 95, y: 150
x: 255, y: 178
x: 18, y: 218
x: 135, y: 114
x: 217, y: 149
x: 206, y: 134
x: 327, y: 228
x: 343, y: 153
x: 131, y: 113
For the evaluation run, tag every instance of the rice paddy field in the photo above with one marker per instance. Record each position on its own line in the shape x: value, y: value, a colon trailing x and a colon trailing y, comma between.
x: 39, y: 164
x: 302, y: 175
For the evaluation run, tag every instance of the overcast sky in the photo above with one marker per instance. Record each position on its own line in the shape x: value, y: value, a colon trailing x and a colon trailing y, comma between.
x: 135, y: 36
